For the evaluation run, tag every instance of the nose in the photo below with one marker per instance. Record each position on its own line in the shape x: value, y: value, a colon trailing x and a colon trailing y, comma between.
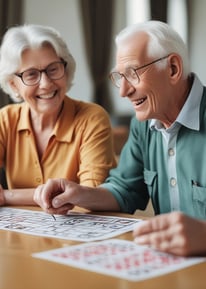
x: 44, y: 80
x: 126, y: 88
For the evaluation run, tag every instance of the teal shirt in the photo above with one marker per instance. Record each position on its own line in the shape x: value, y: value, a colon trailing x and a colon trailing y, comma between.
x: 142, y: 171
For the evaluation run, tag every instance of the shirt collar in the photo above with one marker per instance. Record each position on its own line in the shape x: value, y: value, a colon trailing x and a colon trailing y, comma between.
x: 64, y: 127
x: 189, y: 114
x: 24, y: 120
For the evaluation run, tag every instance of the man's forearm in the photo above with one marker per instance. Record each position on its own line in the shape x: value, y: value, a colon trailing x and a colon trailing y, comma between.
x: 98, y: 199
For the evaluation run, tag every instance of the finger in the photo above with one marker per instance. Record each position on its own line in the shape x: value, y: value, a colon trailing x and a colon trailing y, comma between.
x: 62, y: 198
x: 45, y: 203
x: 61, y: 210
x: 154, y: 231
x: 142, y: 228
x: 171, y: 246
x: 157, y: 240
x: 169, y: 240
x: 44, y: 193
x: 155, y: 224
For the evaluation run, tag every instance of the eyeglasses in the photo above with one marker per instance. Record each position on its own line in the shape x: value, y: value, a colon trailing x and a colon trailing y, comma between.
x: 54, y: 71
x: 131, y: 74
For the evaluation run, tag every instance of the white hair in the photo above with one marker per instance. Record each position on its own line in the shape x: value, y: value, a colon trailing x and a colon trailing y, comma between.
x: 163, y: 40
x: 30, y: 36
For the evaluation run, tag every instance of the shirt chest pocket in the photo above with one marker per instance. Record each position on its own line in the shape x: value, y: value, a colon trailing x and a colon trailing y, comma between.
x: 199, y: 201
x: 150, y: 179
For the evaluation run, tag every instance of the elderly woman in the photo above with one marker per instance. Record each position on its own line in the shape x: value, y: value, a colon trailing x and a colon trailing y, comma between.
x: 48, y: 134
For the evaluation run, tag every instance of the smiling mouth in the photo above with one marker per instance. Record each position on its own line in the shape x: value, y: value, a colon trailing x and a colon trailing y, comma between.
x: 139, y: 101
x: 47, y: 96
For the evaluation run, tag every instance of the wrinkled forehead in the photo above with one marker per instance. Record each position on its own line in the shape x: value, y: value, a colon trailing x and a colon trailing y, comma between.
x: 132, y: 51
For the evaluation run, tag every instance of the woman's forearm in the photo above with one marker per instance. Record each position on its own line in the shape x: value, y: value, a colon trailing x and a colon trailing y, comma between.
x: 18, y: 197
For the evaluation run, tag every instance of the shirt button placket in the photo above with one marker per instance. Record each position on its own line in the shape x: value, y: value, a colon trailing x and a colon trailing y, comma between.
x: 173, y: 182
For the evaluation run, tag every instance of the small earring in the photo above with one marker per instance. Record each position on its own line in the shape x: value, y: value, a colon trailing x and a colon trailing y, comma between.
x: 17, y: 95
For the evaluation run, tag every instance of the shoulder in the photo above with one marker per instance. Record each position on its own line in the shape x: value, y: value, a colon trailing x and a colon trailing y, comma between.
x: 87, y: 110
x: 11, y: 111
x: 140, y: 133
x: 87, y: 117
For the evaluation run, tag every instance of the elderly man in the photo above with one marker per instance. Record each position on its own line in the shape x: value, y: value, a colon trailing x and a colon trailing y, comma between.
x: 164, y: 158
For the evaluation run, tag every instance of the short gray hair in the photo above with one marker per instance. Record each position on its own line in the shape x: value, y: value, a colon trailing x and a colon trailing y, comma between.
x: 30, y: 36
x: 163, y: 40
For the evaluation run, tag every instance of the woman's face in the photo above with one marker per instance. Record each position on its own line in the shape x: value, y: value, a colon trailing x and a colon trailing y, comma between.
x: 47, y: 95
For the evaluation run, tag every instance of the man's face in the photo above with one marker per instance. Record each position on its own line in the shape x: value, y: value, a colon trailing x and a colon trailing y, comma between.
x: 150, y: 91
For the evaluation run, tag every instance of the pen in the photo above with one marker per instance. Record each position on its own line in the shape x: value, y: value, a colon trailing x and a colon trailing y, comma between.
x: 52, y: 215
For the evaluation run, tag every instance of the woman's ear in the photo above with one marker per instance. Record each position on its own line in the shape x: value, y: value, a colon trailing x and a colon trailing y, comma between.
x: 14, y: 88
x: 13, y: 85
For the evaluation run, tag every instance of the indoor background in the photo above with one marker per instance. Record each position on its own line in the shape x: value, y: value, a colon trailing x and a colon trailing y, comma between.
x: 89, y: 27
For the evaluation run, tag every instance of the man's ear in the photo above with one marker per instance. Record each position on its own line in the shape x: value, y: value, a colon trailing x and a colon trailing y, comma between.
x: 175, y: 66
x: 173, y: 69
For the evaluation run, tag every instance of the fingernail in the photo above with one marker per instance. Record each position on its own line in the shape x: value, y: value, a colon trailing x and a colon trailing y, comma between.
x: 55, y: 203
x: 139, y: 240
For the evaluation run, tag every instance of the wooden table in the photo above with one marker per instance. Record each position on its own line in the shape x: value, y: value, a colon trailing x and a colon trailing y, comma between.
x: 19, y: 270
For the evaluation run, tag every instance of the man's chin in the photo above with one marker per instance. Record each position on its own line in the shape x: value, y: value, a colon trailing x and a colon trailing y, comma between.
x: 141, y: 117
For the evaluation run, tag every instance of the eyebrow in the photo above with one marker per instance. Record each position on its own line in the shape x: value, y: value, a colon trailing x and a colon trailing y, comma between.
x: 35, y: 68
x: 126, y: 68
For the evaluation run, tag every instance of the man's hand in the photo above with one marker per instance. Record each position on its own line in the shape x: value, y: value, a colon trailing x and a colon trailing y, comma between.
x: 173, y: 233
x: 56, y: 196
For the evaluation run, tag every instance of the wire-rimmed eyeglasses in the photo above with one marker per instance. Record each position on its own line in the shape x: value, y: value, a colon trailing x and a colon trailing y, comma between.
x: 130, y: 74
x: 54, y: 71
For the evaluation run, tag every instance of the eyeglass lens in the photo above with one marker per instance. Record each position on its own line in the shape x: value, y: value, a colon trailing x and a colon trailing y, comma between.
x: 53, y: 71
x: 130, y: 75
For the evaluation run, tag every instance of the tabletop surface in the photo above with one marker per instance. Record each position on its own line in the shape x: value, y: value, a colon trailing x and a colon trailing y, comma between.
x: 19, y: 270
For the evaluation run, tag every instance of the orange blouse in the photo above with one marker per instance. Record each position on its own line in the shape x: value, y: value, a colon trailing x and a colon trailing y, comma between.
x: 80, y: 148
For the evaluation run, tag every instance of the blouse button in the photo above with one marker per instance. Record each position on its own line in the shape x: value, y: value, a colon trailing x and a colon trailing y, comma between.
x: 38, y: 180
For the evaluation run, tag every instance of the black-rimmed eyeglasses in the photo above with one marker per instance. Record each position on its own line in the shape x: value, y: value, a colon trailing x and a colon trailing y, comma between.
x: 130, y: 74
x: 54, y: 71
